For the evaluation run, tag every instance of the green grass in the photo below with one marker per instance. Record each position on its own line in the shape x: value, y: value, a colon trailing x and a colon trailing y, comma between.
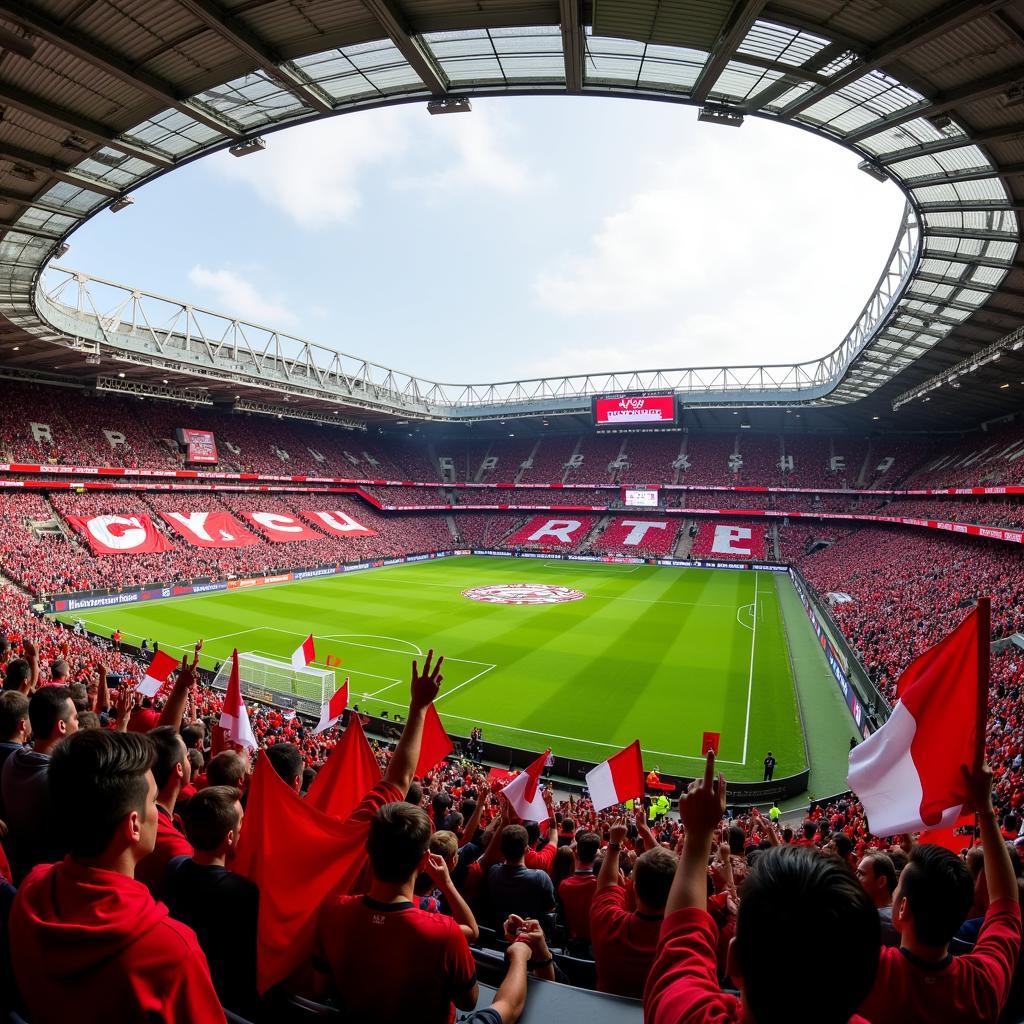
x: 658, y: 653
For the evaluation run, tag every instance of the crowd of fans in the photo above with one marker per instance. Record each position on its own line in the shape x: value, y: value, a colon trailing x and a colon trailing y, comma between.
x: 147, y: 814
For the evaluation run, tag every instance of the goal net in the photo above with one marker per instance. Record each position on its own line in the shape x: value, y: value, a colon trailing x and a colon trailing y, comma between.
x: 262, y: 677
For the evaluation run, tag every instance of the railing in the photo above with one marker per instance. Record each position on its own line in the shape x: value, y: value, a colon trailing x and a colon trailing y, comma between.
x: 114, y: 321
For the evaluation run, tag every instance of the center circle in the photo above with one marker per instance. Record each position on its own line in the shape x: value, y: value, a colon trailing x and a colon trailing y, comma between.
x: 523, y: 593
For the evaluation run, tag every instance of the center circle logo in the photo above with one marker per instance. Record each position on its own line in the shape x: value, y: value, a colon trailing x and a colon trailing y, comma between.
x: 523, y: 593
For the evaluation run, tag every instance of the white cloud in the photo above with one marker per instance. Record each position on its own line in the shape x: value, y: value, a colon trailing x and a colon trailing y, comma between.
x: 475, y: 152
x: 721, y: 257
x: 232, y: 293
x: 314, y: 172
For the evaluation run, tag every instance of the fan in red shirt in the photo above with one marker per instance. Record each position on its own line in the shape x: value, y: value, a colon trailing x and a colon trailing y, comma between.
x: 171, y: 770
x: 383, y: 936
x: 625, y: 941
x: 88, y: 942
x: 577, y: 891
x: 832, y: 965
x: 920, y: 980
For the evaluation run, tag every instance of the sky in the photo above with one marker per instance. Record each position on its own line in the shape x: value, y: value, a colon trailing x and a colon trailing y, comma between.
x: 532, y: 237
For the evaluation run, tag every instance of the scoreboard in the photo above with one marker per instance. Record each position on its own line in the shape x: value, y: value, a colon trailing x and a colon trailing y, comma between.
x: 636, y: 410
x: 640, y: 497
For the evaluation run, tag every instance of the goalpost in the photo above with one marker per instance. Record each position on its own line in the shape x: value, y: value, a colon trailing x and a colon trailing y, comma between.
x: 273, y: 675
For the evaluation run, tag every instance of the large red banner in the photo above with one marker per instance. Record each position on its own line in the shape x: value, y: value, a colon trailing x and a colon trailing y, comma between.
x: 544, y: 531
x: 339, y: 524
x: 280, y: 527
x: 216, y: 529
x: 120, y: 534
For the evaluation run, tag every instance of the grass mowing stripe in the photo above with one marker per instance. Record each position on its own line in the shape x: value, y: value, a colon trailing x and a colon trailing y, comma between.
x: 657, y: 653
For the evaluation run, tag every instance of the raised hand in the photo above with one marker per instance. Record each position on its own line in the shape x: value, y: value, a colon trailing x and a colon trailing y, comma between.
x: 426, y: 684
x: 124, y: 705
x: 617, y: 832
x: 703, y: 805
x: 436, y: 867
x: 978, y: 784
x: 188, y: 668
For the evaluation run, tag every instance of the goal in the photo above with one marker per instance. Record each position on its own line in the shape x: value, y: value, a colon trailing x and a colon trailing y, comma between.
x: 261, y: 677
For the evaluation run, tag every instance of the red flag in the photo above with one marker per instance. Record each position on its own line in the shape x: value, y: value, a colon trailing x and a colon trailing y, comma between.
x: 234, y: 718
x: 332, y: 711
x: 618, y: 779
x: 709, y: 741
x: 522, y: 793
x: 908, y: 773
x: 304, y: 654
x: 436, y: 744
x: 350, y: 773
x: 157, y: 673
x: 947, y: 837
x: 297, y: 856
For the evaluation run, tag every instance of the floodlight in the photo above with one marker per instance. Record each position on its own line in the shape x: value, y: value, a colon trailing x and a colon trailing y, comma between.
x: 254, y: 145
x: 720, y: 115
x: 872, y: 169
x: 121, y: 204
x: 1014, y: 96
x: 450, y: 105
x: 62, y: 250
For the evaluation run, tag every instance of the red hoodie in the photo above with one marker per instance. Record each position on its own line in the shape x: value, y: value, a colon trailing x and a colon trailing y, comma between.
x: 93, y: 945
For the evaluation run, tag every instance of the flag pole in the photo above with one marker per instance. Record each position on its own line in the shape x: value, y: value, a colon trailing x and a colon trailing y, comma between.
x: 984, y: 612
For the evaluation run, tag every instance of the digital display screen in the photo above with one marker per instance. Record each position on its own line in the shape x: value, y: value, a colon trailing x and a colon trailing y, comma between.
x: 640, y: 497
x: 630, y: 410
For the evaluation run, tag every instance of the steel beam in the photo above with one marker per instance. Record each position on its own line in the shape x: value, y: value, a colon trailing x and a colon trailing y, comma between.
x: 743, y: 14
x: 99, y: 56
x: 395, y: 23
x: 246, y: 41
x: 914, y: 35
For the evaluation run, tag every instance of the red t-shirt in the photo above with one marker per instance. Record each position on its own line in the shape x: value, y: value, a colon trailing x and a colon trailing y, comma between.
x: 170, y: 843
x: 683, y: 983
x: 577, y: 893
x: 542, y: 859
x: 624, y: 943
x: 393, y: 961
x: 969, y: 988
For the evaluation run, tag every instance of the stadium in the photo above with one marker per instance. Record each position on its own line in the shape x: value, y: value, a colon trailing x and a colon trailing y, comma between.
x: 223, y: 545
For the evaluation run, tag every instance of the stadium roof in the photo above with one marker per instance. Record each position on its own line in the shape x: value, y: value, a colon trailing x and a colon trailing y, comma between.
x: 98, y: 97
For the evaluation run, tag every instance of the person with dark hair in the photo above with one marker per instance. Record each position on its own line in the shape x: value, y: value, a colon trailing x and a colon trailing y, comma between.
x: 88, y: 942
x: 920, y: 980
x: 512, y: 887
x: 286, y: 760
x: 361, y: 940
x: 35, y: 831
x: 804, y: 924
x: 624, y: 940
x: 227, y: 769
x: 18, y: 675
x: 171, y: 770
x: 193, y: 735
x: 14, y: 727
x: 769, y: 766
x: 220, y: 906
x: 877, y: 873
x: 576, y: 893
x: 59, y: 672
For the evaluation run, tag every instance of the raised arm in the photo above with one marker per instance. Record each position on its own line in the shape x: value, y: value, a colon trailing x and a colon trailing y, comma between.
x: 423, y: 689
x: 767, y: 829
x: 102, y: 693
x: 609, y: 873
x: 438, y: 871
x: 493, y: 851
x: 646, y: 835
x: 32, y: 657
x: 174, y: 709
x: 469, y: 829
x: 701, y: 809
x: 999, y: 876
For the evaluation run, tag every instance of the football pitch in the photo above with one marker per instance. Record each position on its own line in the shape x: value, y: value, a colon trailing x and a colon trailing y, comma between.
x: 659, y: 653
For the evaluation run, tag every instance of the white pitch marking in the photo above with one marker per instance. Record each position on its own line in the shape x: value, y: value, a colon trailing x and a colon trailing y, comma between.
x: 750, y: 682
x: 455, y: 689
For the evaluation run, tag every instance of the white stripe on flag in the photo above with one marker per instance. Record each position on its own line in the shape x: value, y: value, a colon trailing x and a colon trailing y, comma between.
x: 602, y: 786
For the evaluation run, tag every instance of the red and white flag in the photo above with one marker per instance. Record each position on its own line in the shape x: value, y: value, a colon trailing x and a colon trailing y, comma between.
x: 304, y: 654
x: 234, y: 719
x: 908, y: 774
x: 618, y: 779
x: 332, y: 711
x: 524, y: 793
x: 157, y: 673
